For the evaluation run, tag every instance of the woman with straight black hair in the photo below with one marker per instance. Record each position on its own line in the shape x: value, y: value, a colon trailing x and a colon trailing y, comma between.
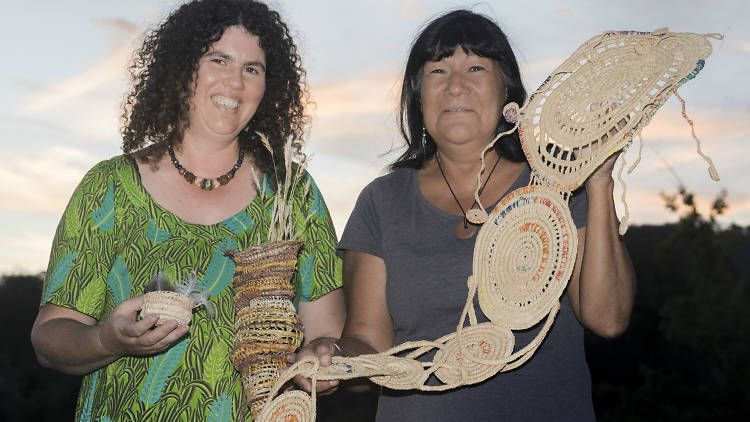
x: 408, y: 246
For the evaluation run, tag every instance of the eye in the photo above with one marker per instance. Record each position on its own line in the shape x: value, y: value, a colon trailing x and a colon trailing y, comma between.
x: 218, y: 60
x: 252, y: 70
x: 476, y: 68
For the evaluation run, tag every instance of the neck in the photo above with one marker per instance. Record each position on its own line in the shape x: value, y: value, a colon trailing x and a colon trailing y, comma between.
x: 464, y: 165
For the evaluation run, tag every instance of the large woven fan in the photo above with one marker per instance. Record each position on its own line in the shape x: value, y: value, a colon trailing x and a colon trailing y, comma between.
x: 603, y: 94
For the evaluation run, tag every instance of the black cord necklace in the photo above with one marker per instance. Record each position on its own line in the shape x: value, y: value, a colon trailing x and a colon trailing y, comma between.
x: 467, y: 229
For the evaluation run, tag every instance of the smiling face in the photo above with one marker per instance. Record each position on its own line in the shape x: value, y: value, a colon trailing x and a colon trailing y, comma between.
x: 462, y: 97
x: 230, y: 82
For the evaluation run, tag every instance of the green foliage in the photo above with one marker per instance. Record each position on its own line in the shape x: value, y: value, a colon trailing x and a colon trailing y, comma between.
x: 684, y: 356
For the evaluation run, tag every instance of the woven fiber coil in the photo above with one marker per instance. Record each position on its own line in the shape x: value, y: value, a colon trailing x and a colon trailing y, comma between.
x: 602, y: 95
x: 485, y: 341
x: 244, y: 299
x: 258, y: 379
x: 267, y: 327
x: 294, y: 406
x: 169, y: 306
x: 524, y: 256
x: 407, y: 373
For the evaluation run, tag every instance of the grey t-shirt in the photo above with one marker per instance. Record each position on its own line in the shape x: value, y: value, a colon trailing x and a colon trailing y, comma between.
x: 427, y: 268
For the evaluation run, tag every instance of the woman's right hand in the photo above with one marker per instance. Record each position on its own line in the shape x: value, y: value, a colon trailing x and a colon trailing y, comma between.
x: 323, y: 348
x: 71, y: 341
x: 123, y: 334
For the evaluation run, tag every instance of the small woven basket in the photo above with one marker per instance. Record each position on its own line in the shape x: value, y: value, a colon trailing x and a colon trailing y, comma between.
x: 169, y: 306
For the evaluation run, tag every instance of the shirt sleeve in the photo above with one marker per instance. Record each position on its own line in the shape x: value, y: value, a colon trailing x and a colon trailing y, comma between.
x: 319, y: 268
x: 80, y: 258
x: 579, y: 207
x: 362, y: 232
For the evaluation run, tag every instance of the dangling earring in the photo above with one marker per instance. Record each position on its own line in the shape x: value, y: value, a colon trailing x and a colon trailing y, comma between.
x: 424, y: 139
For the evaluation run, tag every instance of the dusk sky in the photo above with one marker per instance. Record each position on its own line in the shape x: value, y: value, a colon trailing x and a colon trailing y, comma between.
x: 65, y: 63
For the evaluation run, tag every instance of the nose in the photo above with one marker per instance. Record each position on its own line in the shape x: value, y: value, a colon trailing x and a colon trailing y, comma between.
x: 234, y: 78
x: 456, y: 84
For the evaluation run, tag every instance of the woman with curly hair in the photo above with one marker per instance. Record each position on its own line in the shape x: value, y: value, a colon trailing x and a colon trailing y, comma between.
x: 193, y: 182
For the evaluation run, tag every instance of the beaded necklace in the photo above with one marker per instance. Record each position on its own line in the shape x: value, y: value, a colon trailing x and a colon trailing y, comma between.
x: 205, y: 183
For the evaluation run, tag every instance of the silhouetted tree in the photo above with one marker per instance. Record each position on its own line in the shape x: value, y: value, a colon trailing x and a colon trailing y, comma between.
x: 684, y: 356
x: 28, y: 392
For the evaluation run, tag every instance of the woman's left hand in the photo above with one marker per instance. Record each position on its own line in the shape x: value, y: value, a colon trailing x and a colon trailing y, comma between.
x: 323, y: 348
x: 602, y: 176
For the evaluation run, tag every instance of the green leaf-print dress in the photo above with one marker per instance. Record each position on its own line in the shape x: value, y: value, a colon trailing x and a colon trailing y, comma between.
x: 113, y: 238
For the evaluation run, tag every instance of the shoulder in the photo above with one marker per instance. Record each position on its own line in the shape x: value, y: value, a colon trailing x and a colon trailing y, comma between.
x: 107, y: 169
x: 392, y: 185
x: 102, y: 175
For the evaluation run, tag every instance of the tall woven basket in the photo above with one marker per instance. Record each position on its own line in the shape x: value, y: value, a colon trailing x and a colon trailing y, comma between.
x: 267, y: 326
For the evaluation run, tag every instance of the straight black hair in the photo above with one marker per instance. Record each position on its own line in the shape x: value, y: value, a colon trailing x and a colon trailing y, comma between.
x: 476, y: 34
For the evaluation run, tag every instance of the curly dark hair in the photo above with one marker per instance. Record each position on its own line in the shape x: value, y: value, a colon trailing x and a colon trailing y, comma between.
x: 156, y: 110
x: 474, y: 33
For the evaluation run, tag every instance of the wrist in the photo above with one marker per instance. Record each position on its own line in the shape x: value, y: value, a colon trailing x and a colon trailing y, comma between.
x: 600, y: 186
x: 104, y: 349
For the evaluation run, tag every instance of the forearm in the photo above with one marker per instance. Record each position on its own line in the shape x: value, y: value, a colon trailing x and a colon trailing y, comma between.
x: 70, y: 346
x: 607, y: 279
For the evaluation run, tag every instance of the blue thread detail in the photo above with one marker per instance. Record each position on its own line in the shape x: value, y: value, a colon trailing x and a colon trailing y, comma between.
x: 220, y: 270
x: 318, y: 206
x: 88, y: 404
x: 104, y: 216
x: 59, y: 273
x: 239, y: 222
x: 161, y: 368
x: 221, y: 410
x: 155, y: 234
x: 307, y: 277
x: 118, y: 281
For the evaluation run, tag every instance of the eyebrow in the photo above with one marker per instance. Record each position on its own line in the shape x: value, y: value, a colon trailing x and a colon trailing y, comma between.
x: 228, y: 57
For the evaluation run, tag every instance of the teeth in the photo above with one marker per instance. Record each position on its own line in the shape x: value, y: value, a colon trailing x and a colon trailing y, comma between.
x: 224, y: 101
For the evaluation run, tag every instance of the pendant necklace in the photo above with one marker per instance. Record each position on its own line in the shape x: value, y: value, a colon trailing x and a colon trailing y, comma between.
x: 465, y: 229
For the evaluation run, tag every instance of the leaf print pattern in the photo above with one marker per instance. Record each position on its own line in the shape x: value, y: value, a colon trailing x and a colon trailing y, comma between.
x: 238, y: 223
x: 155, y: 234
x: 220, y: 270
x: 59, y: 274
x: 318, y: 206
x: 118, y: 281
x: 213, y: 368
x: 104, y: 216
x: 160, y: 369
x: 89, y: 402
x: 307, y: 277
x: 221, y: 410
x: 90, y: 298
x: 92, y: 270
